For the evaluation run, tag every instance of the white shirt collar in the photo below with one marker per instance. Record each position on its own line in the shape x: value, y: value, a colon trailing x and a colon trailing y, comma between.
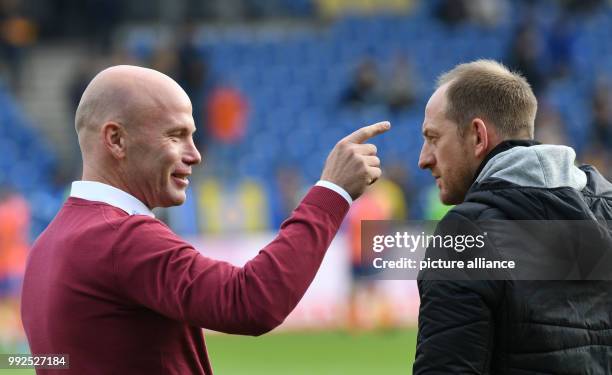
x: 100, y: 192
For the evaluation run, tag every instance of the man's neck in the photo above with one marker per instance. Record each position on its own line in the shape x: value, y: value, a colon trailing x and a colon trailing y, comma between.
x: 111, y: 179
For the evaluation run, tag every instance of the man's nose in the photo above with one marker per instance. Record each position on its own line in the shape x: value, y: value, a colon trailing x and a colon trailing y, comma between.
x: 192, y: 156
x: 426, y: 158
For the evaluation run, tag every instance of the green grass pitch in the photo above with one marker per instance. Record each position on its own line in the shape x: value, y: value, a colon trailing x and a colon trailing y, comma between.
x: 306, y: 353
x: 321, y: 353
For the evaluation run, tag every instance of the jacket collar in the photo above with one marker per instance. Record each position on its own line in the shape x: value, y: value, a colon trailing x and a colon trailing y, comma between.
x: 536, y: 165
x: 502, y: 147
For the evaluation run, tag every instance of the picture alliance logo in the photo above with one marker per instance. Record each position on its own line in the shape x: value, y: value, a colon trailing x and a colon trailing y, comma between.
x: 412, y: 242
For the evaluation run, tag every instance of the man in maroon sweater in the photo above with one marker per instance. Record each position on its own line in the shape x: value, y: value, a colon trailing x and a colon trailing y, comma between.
x: 120, y: 293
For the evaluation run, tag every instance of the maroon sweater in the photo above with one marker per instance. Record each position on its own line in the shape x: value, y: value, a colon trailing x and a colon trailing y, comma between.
x: 123, y: 294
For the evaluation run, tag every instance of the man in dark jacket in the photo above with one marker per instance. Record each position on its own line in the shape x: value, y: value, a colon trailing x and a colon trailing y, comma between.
x: 478, y: 144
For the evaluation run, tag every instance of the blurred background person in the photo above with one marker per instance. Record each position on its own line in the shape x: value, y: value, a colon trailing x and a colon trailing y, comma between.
x: 14, y: 244
x: 365, y: 88
x: 17, y: 33
x: 368, y: 305
x: 525, y: 55
x: 401, y: 85
x: 549, y: 125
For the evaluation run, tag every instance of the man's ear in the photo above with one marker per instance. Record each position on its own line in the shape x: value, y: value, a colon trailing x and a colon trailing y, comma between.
x: 113, y: 136
x: 481, y: 138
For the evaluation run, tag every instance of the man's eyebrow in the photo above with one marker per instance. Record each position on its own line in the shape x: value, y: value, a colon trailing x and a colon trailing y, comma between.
x: 429, y: 133
x: 179, y: 129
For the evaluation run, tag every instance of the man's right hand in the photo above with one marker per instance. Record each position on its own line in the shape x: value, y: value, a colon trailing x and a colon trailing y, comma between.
x: 352, y: 164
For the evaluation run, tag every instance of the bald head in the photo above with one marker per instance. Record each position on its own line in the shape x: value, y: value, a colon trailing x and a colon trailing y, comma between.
x: 135, y: 129
x: 126, y: 95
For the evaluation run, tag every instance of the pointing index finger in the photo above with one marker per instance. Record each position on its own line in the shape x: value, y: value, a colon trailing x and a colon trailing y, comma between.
x: 367, y: 132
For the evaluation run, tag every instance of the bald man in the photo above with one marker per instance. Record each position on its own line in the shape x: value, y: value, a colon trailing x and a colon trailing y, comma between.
x: 120, y: 293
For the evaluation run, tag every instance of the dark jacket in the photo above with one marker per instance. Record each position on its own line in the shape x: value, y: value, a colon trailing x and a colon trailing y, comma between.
x: 521, y: 327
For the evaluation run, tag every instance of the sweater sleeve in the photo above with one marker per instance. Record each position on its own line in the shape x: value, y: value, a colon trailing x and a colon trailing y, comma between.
x: 157, y: 269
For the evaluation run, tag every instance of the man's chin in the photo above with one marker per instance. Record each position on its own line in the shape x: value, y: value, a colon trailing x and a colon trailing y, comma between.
x: 448, y: 199
x: 176, y: 199
x: 179, y: 201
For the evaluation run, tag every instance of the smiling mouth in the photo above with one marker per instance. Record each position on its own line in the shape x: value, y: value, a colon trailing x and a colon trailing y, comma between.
x: 181, y: 178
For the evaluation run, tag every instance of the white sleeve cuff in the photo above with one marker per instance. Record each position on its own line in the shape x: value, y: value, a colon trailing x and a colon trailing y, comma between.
x: 336, y: 188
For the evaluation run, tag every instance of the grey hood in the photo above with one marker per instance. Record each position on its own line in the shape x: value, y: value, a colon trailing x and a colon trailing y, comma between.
x: 541, y: 166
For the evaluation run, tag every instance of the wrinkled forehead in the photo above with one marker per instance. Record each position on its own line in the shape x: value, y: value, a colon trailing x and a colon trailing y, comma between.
x: 435, y: 115
x: 437, y: 101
